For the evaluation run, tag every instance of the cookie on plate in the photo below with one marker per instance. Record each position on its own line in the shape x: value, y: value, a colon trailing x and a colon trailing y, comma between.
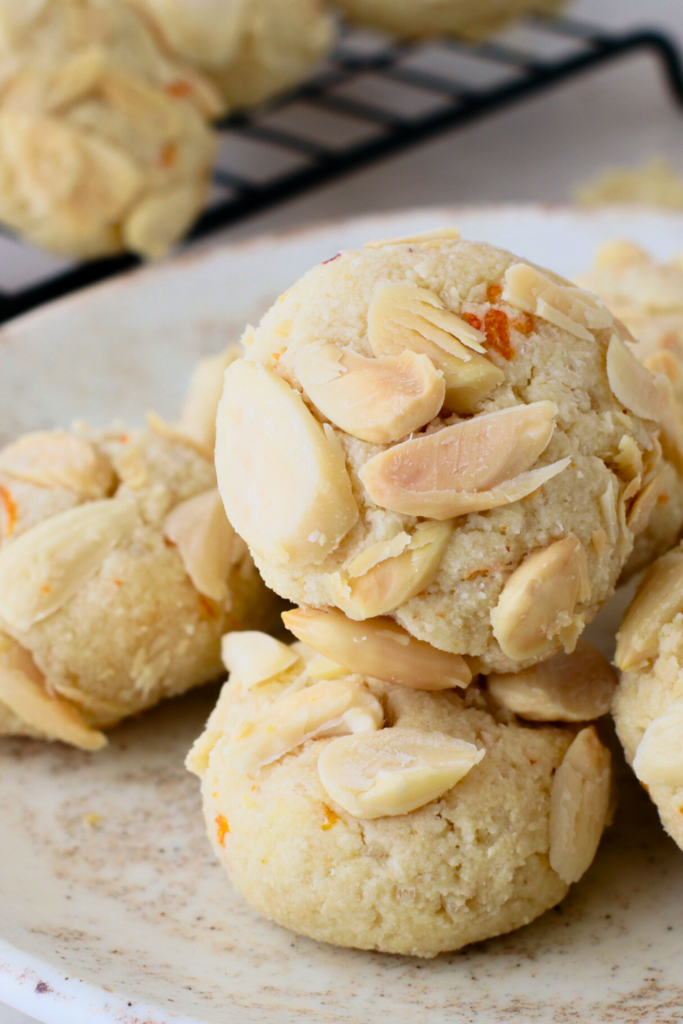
x: 434, y: 17
x: 648, y: 706
x: 250, y: 49
x: 119, y: 573
x: 648, y: 298
x: 383, y: 816
x: 436, y: 431
x: 104, y: 144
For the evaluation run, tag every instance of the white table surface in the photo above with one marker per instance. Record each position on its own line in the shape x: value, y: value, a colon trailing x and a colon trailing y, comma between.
x: 535, y: 152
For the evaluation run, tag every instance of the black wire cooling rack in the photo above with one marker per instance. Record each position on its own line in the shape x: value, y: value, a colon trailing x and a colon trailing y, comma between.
x: 373, y: 97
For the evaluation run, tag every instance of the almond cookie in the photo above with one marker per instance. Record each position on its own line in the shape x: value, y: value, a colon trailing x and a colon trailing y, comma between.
x: 383, y: 816
x: 648, y: 707
x: 440, y: 433
x: 249, y: 49
x: 648, y: 298
x: 104, y: 144
x: 433, y: 17
x: 119, y: 573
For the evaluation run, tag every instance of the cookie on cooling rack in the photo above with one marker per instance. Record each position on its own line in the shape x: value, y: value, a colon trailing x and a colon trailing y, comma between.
x: 104, y: 144
x: 439, y: 432
x: 119, y: 573
x: 435, y: 17
x: 379, y: 815
x: 250, y: 49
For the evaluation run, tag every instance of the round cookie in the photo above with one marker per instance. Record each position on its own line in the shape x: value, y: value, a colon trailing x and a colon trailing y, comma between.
x: 104, y: 144
x: 433, y: 17
x: 250, y: 49
x: 648, y: 298
x: 648, y: 705
x: 383, y: 817
x: 119, y: 573
x: 436, y: 431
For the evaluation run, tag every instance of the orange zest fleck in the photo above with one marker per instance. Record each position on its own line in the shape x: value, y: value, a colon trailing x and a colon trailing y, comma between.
x: 223, y: 828
x: 124, y: 438
x: 472, y: 320
x: 662, y: 499
x: 117, y: 583
x: 179, y: 88
x: 330, y: 818
x: 207, y: 606
x: 477, y: 572
x: 168, y: 155
x: 45, y: 589
x: 524, y: 325
x: 497, y: 331
x: 10, y: 507
x: 494, y: 292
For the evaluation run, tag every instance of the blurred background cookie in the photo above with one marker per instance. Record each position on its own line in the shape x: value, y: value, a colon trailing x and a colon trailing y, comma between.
x: 433, y: 17
x: 104, y: 144
x: 250, y: 49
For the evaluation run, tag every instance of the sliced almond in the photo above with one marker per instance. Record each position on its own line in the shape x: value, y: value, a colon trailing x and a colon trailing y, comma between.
x: 198, y: 414
x: 320, y: 667
x: 572, y: 309
x: 171, y: 433
x: 75, y: 78
x: 394, y: 771
x: 644, y: 505
x: 537, y: 605
x: 579, y: 803
x: 378, y: 648
x: 23, y: 691
x: 426, y: 238
x: 575, y: 687
x: 43, y: 568
x: 441, y: 475
x: 629, y: 461
x: 58, y: 459
x: 252, y: 657
x: 667, y: 364
x: 608, y: 507
x: 329, y: 708
x: 402, y: 316
x: 376, y: 400
x: 206, y: 542
x: 394, y: 580
x: 282, y: 476
x: 658, y: 600
x: 631, y: 384
x: 659, y: 757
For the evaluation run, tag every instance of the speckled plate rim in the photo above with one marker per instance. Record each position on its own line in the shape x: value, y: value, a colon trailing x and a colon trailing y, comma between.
x: 42, y: 989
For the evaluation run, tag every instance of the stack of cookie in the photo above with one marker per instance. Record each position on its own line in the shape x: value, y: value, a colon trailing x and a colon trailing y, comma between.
x: 444, y: 456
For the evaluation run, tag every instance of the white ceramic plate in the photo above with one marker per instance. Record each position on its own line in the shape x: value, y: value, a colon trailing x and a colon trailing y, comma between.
x: 124, y: 918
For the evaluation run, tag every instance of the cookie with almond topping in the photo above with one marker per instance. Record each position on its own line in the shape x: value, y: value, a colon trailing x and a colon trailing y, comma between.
x: 383, y: 815
x: 472, y: 18
x: 437, y: 432
x: 249, y: 49
x: 648, y: 705
x: 119, y: 573
x: 647, y: 296
x: 104, y: 140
